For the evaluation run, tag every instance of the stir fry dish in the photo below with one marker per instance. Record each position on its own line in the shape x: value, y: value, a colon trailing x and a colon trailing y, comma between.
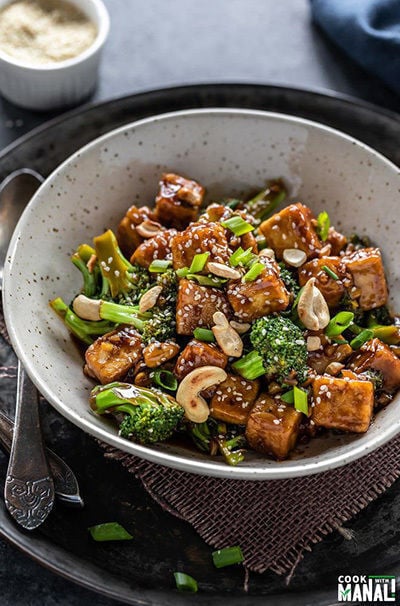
x: 232, y: 325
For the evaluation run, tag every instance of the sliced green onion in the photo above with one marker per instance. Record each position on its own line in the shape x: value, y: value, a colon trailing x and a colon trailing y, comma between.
x: 363, y: 337
x: 159, y: 265
x: 198, y: 262
x: 288, y: 397
x: 182, y: 272
x: 324, y: 224
x: 330, y: 272
x: 296, y: 301
x: 255, y: 270
x: 250, y: 366
x: 241, y: 256
x: 110, y: 531
x: 207, y: 280
x: 237, y: 225
x: 204, y: 334
x: 227, y: 556
x: 232, y: 203
x: 300, y: 400
x: 184, y: 582
x: 339, y: 323
x: 165, y: 379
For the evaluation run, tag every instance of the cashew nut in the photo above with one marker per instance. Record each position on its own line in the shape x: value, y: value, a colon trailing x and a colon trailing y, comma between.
x: 223, y: 271
x: 312, y: 308
x: 267, y: 252
x: 240, y: 327
x: 313, y: 343
x: 294, y: 257
x: 149, y: 228
x: 226, y: 336
x: 149, y: 299
x: 188, y: 394
x: 87, y: 309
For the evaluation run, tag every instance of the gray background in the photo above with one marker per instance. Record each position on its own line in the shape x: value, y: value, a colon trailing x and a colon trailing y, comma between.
x: 156, y: 44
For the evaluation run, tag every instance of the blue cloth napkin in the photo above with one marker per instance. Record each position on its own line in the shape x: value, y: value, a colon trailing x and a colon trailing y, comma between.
x: 367, y: 30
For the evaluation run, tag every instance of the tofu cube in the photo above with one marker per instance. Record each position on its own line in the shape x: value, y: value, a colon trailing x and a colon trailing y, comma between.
x: 127, y: 236
x: 365, y: 265
x: 157, y: 247
x: 233, y: 400
x: 156, y: 353
x: 196, y: 305
x: 337, y: 241
x: 332, y: 290
x: 273, y: 427
x: 111, y: 356
x: 376, y: 355
x: 197, y: 354
x: 178, y: 200
x: 262, y: 296
x: 200, y: 238
x: 342, y: 404
x: 292, y: 227
x: 320, y: 359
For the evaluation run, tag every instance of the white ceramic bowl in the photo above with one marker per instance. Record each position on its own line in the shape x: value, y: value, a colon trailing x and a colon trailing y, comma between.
x: 230, y: 152
x: 56, y: 85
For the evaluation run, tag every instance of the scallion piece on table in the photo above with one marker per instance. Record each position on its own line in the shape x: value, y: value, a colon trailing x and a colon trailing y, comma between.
x: 300, y: 400
x: 198, y: 262
x: 165, y: 378
x: 110, y: 531
x: 330, y: 272
x: 339, y: 323
x: 255, y: 270
x: 250, y: 366
x: 241, y: 256
x: 184, y: 582
x: 288, y: 397
x: 159, y: 266
x: 363, y: 337
x: 227, y: 556
x: 324, y: 224
x: 204, y: 334
x: 237, y: 225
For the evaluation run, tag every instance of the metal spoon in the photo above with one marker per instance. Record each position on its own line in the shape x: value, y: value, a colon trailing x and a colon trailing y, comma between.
x: 29, y: 488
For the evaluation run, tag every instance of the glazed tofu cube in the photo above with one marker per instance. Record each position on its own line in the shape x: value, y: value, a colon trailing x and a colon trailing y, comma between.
x: 365, y: 265
x: 378, y: 356
x: 157, y: 247
x: 233, y: 400
x: 128, y: 238
x: 273, y: 427
x: 157, y: 353
x: 200, y: 238
x: 292, y: 227
x: 337, y: 241
x: 111, y: 356
x: 197, y: 354
x: 178, y: 200
x: 262, y: 296
x: 332, y: 290
x: 196, y: 306
x: 320, y: 359
x: 342, y: 404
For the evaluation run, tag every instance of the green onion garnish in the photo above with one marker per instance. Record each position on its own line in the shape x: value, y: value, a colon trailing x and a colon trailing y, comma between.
x: 339, y: 323
x: 232, y: 203
x: 288, y: 397
x: 227, y: 556
x: 204, y: 334
x: 165, y: 378
x: 182, y: 272
x: 159, y: 266
x: 110, y: 531
x: 255, y: 270
x: 363, y: 337
x: 300, y: 400
x: 207, y: 280
x: 184, y: 582
x: 330, y: 272
x: 324, y: 224
x: 198, y: 262
x: 241, y: 256
x: 250, y: 366
x: 237, y: 225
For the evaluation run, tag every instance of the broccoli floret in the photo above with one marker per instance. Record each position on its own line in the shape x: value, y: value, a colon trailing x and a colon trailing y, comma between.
x: 168, y: 280
x: 289, y: 279
x: 160, y: 326
x: 375, y: 376
x: 359, y: 241
x: 213, y: 437
x: 148, y: 416
x: 282, y: 347
x: 380, y: 316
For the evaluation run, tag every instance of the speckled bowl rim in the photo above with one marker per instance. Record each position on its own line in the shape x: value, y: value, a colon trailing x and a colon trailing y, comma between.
x: 282, y: 470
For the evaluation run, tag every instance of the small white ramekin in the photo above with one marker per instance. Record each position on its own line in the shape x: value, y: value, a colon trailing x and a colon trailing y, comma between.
x: 56, y: 85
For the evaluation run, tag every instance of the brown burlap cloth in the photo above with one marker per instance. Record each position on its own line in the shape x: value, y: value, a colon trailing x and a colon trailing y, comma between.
x: 275, y: 521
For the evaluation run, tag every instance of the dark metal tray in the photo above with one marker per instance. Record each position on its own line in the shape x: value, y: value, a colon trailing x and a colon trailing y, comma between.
x: 140, y: 571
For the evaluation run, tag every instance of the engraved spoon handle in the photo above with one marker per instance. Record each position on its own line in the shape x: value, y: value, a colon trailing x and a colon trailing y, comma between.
x: 29, y: 488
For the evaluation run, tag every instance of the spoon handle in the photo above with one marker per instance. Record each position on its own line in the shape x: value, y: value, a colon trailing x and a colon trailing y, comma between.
x: 29, y: 488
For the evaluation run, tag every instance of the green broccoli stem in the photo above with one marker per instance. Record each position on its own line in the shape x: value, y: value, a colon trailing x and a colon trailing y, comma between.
x: 122, y: 314
x: 250, y: 366
x: 232, y: 457
x: 89, y: 278
x: 387, y: 334
x: 113, y: 265
x: 266, y: 201
x: 84, y: 330
x: 107, y: 397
